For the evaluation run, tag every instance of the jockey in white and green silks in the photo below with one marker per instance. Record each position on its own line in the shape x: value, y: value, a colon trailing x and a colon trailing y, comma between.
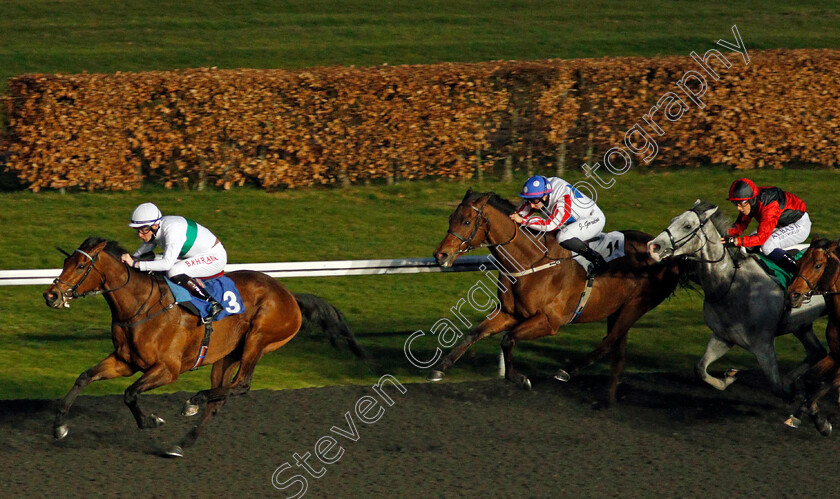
x: 190, y: 250
x: 574, y: 215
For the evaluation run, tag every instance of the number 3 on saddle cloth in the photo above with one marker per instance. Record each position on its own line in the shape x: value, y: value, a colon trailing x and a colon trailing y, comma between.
x: 221, y: 288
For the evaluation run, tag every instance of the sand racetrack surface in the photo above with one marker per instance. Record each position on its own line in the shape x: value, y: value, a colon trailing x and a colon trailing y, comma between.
x: 670, y: 435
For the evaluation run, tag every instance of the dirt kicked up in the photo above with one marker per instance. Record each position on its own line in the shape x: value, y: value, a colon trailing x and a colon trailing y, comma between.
x: 670, y: 435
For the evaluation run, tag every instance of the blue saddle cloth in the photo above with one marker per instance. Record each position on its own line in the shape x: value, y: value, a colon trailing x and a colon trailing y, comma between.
x: 222, y: 289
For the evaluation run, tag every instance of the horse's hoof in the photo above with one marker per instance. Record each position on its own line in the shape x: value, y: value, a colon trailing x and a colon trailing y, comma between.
x: 189, y: 409
x: 152, y: 421
x: 825, y: 429
x: 526, y: 384
x: 793, y: 421
x: 175, y: 451
x: 562, y: 376
x: 731, y: 373
x: 435, y: 375
x: 60, y: 432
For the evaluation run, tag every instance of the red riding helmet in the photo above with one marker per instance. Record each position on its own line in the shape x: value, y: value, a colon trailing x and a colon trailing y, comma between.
x: 742, y: 189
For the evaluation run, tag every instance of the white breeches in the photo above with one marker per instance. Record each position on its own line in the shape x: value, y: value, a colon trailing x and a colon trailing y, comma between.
x: 209, y: 263
x: 584, y: 228
x: 789, y: 235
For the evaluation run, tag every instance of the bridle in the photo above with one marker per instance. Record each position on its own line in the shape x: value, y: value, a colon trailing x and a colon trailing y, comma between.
x: 811, y: 287
x: 71, y: 290
x: 679, y: 243
x: 468, y: 240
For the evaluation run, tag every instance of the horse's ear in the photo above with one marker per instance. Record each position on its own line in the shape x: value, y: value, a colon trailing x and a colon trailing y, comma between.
x: 467, y: 195
x: 480, y: 202
x: 815, y: 239
x: 696, y: 203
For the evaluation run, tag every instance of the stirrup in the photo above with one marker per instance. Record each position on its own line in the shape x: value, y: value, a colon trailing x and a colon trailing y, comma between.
x: 215, y: 309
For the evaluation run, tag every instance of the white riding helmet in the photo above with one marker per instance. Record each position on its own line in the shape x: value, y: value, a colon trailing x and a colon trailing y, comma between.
x: 145, y: 214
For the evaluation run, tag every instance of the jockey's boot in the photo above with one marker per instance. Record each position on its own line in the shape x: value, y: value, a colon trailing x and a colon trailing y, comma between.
x: 581, y: 248
x: 785, y: 262
x: 195, y: 289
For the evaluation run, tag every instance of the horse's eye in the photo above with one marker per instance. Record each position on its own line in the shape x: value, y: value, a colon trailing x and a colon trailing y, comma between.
x: 81, y: 266
x: 687, y: 226
x: 466, y: 222
x: 817, y: 266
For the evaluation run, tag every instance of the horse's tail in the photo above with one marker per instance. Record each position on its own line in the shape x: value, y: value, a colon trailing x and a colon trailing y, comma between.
x: 317, y: 311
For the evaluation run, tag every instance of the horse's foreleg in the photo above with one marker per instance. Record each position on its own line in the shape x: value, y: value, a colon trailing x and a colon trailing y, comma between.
x: 488, y: 327
x: 109, y: 368
x: 618, y: 357
x: 765, y: 354
x: 814, y: 352
x: 158, y: 375
x: 533, y: 328
x: 715, y: 349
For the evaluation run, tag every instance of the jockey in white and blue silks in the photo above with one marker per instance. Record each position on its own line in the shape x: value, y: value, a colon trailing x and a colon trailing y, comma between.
x: 574, y: 215
x: 190, y: 250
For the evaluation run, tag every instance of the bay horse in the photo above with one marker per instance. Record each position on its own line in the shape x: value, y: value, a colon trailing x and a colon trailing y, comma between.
x: 537, y: 304
x: 819, y: 274
x: 153, y: 335
x: 742, y: 305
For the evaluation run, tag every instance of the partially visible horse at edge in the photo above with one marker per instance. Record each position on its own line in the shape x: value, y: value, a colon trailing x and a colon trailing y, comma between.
x: 153, y: 335
x: 819, y: 275
x: 742, y: 305
x: 539, y: 303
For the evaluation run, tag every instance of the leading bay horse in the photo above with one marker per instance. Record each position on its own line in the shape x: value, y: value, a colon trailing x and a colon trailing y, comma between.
x: 153, y: 335
x: 537, y: 304
x: 819, y: 274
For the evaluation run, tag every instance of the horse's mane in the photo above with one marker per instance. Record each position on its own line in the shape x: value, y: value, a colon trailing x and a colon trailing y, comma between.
x: 112, y: 247
x: 821, y: 243
x: 495, y: 201
x: 721, y: 222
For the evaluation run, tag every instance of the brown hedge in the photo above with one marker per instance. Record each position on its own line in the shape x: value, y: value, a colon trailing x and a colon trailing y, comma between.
x: 296, y: 128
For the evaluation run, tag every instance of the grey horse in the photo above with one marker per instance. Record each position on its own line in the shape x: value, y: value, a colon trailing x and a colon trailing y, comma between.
x: 742, y: 306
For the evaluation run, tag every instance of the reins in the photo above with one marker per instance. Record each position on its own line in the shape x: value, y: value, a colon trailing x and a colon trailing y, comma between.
x: 71, y: 291
x: 482, y: 218
x: 683, y: 240
x: 812, y: 289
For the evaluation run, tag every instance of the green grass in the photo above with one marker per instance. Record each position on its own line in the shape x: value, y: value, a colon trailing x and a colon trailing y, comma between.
x: 72, y: 36
x: 43, y: 350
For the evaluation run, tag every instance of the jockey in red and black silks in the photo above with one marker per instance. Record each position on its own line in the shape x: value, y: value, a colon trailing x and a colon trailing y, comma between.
x: 782, y: 220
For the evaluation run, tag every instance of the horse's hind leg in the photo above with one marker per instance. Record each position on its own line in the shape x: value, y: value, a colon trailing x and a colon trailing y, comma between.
x: 220, y: 379
x: 158, y: 375
x: 715, y: 349
x: 618, y: 324
x: 215, y: 398
x: 109, y: 368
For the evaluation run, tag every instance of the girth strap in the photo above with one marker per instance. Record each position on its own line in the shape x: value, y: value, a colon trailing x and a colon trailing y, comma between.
x: 584, y: 299
x: 205, y: 343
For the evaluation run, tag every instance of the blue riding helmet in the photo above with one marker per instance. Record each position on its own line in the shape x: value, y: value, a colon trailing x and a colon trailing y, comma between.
x: 535, y: 187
